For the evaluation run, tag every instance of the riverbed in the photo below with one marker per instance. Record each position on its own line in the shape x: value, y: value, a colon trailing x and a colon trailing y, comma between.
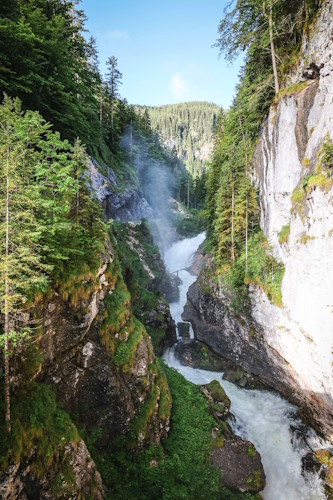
x: 260, y: 416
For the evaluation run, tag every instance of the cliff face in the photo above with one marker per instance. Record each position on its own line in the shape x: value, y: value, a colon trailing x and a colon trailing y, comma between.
x: 286, y: 158
x: 119, y: 204
x: 99, y: 361
x: 289, y: 347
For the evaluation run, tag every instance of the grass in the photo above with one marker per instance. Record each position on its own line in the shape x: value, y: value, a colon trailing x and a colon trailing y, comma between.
x: 40, y: 432
x: 321, y: 177
x: 180, y: 467
x: 293, y: 89
x: 284, y: 234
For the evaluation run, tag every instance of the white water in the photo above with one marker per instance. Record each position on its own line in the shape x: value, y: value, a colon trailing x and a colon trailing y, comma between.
x: 262, y: 417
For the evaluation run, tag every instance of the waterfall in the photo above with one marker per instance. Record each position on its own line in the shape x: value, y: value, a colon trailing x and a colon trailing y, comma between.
x: 262, y: 417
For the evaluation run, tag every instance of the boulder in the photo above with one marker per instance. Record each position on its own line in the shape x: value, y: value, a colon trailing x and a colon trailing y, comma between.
x: 241, y: 465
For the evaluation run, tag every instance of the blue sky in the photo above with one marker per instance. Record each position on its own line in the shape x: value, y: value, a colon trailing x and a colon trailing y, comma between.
x: 164, y: 49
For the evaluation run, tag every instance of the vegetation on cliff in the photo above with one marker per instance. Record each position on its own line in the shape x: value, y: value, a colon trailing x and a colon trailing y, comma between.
x: 232, y: 212
x: 177, y: 468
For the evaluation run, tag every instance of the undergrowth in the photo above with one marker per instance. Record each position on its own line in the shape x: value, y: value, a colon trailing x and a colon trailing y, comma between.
x: 180, y: 468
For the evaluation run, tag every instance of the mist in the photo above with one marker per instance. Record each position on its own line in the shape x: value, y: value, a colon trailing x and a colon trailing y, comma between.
x: 158, y: 183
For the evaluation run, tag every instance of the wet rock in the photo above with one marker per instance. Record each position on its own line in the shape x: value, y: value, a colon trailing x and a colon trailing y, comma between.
x: 218, y: 401
x: 241, y: 466
x: 183, y: 329
x: 198, y: 355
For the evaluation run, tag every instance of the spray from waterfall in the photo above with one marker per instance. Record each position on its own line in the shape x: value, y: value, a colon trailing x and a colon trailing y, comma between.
x: 158, y: 182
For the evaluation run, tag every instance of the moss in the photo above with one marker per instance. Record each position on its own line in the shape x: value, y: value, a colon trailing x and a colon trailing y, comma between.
x: 293, y: 89
x: 306, y: 162
x: 251, y: 451
x: 323, y: 456
x: 126, y: 349
x: 38, y: 424
x: 305, y: 238
x: 253, y: 480
x: 321, y: 177
x: 284, y: 234
x: 217, y: 392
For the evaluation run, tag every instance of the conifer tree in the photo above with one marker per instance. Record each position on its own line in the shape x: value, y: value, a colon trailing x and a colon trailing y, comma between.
x: 21, y: 266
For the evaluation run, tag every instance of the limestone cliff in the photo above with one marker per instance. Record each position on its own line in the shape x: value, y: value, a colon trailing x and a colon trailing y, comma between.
x: 295, y: 193
x: 119, y: 202
x: 290, y: 347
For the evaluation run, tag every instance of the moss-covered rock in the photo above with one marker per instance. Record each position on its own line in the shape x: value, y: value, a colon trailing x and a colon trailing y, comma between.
x: 218, y: 400
x: 241, y: 466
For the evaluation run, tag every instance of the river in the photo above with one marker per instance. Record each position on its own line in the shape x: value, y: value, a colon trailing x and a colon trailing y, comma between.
x: 262, y: 417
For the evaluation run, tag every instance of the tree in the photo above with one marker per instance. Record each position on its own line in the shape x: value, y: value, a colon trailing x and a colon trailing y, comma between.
x: 267, y: 25
x: 113, y: 80
x: 21, y: 266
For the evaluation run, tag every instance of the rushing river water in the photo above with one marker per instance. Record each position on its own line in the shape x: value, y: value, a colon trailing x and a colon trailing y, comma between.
x: 262, y: 417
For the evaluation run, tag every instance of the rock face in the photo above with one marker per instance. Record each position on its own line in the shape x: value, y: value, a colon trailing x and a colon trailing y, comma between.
x: 287, y: 152
x: 238, y: 458
x: 290, y: 348
x: 119, y: 204
x: 100, y: 360
x: 20, y: 483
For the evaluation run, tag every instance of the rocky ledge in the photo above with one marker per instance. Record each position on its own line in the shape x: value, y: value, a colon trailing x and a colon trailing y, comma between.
x: 241, y: 339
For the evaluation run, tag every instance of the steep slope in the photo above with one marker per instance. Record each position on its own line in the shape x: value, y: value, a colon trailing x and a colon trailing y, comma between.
x: 98, y: 359
x: 294, y: 179
x: 187, y: 129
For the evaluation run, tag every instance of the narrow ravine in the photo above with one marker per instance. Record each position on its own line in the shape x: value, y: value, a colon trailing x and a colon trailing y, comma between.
x: 262, y: 417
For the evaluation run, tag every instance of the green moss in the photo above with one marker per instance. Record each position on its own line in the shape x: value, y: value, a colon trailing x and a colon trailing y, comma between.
x: 284, y: 234
x: 305, y: 238
x: 305, y: 162
x: 321, y: 177
x: 218, y: 393
x: 253, y: 480
x: 293, y: 89
x: 180, y: 467
x: 251, y: 451
x: 126, y: 349
x: 38, y: 424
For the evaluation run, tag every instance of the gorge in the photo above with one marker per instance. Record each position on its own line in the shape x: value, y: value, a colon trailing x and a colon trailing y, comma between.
x: 166, y: 271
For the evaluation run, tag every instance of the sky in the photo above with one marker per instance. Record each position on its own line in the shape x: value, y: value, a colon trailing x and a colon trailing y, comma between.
x: 164, y: 49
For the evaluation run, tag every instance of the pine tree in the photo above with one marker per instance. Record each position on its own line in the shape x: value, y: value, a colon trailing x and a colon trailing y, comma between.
x: 21, y: 267
x: 113, y: 80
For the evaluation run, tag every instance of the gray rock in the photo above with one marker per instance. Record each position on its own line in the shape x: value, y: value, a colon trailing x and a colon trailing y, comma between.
x: 241, y: 466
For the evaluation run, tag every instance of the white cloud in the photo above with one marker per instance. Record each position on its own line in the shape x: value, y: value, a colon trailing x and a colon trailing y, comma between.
x: 117, y: 35
x: 178, y: 86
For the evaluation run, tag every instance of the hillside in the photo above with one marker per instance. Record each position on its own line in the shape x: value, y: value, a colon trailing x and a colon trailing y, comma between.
x: 187, y: 129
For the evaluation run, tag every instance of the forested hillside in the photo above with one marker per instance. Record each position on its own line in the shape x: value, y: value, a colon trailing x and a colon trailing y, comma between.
x: 187, y: 129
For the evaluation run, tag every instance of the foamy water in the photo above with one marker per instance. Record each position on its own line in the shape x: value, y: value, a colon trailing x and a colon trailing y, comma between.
x: 262, y: 417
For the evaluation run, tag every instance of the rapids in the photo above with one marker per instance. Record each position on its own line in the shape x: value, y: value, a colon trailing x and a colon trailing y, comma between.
x: 262, y: 417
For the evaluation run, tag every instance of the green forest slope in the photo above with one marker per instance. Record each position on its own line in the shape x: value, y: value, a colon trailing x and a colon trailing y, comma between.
x: 187, y: 129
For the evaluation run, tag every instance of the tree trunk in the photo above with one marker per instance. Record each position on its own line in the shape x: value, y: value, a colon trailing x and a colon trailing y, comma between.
x: 271, y: 41
x: 7, y: 327
x: 232, y: 222
x: 188, y: 193
x: 101, y: 108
